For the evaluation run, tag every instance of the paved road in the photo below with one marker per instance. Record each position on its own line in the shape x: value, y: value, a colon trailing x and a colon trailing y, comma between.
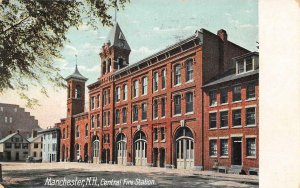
x: 91, y: 178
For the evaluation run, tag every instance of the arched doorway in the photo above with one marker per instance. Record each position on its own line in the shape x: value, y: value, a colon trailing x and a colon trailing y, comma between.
x: 86, y: 146
x: 63, y: 153
x: 121, y: 149
x: 140, y: 149
x: 77, y: 152
x: 96, y: 147
x: 184, y: 147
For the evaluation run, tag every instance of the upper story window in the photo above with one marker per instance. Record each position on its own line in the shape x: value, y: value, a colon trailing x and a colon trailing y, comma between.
x: 212, y: 120
x: 236, y: 118
x: 125, y: 91
x: 250, y: 90
x: 104, y: 119
x: 177, y: 75
x: 118, y: 92
x: 145, y: 85
x: 224, y: 95
x: 177, y: 104
x: 77, y: 131
x: 92, y: 102
x: 213, y: 98
x: 189, y: 70
x: 92, y: 121
x: 124, y: 114
x: 98, y: 100
x: 108, y: 118
x: 78, y: 92
x: 224, y: 119
x: 109, y: 65
x: 86, y: 130
x: 144, y: 111
x: 236, y: 92
x: 244, y: 65
x: 108, y: 96
x: 189, y: 102
x: 163, y: 79
x: 104, y: 98
x: 250, y: 116
x: 163, y: 107
x: 117, y: 116
x: 155, y: 109
x: 155, y: 81
x: 98, y: 120
x: 135, y: 88
x: 162, y: 133
x: 155, y: 132
x: 135, y: 113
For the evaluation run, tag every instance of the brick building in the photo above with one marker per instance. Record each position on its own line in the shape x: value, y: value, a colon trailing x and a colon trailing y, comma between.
x: 149, y: 113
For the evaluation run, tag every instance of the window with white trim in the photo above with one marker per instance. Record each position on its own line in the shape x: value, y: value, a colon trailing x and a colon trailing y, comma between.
x: 250, y: 116
x: 189, y: 70
x: 117, y: 117
x: 163, y: 79
x: 155, y: 109
x: 124, y: 114
x: 224, y: 147
x: 145, y: 85
x: 224, y: 95
x: 177, y: 104
x: 251, y: 147
x: 213, y: 98
x: 144, y: 111
x: 163, y: 106
x: 155, y: 81
x: 212, y: 120
x: 236, y: 92
x: 135, y: 88
x: 224, y: 119
x: 213, y: 148
x: 250, y: 90
x: 92, y: 121
x: 177, y: 74
x: 98, y: 120
x: 236, y: 118
x: 118, y: 92
x: 189, y: 102
x: 92, y: 102
x: 125, y: 90
x: 135, y: 112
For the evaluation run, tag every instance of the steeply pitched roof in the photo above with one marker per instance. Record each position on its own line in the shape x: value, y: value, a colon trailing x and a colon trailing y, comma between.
x: 8, y: 137
x: 32, y: 139
x: 116, y: 37
x: 76, y: 75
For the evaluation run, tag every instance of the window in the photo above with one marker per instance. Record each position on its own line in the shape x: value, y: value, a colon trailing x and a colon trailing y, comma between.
x: 213, y: 98
x: 155, y: 81
x: 98, y: 101
x: 177, y: 75
x: 17, y: 145
x: 104, y: 119
x: 162, y: 133
x: 5, y: 119
x: 34, y: 154
x: 236, y: 90
x: 104, y: 98
x: 224, y: 119
x: 213, y: 148
x: 96, y: 148
x: 155, y: 132
x: 250, y: 115
x: 163, y: 107
x: 108, y: 96
x: 189, y: 70
x: 124, y: 114
x: 10, y: 119
x: 135, y: 113
x: 249, y: 64
x: 104, y: 68
x: 145, y: 86
x: 163, y: 79
x: 25, y: 146
x: 189, y: 102
x: 250, y: 91
x: 240, y: 67
x: 125, y: 90
x: 86, y: 130
x: 212, y: 120
x: 118, y: 91
x: 155, y: 109
x: 135, y: 88
x: 224, y: 147
x: 92, y: 121
x: 8, y: 145
x: 236, y: 117
x: 77, y: 131
x: 144, y: 111
x: 108, y: 65
x: 117, y: 116
x: 78, y: 91
x: 98, y: 120
x: 108, y: 118
x: 224, y: 95
x: 92, y: 102
x: 36, y: 145
x: 177, y: 104
x: 251, y: 147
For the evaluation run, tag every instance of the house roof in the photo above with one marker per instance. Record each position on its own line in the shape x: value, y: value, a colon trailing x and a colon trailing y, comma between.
x: 49, y: 130
x: 117, y: 38
x: 230, y: 76
x: 10, y: 136
x: 76, y: 75
x: 31, y: 139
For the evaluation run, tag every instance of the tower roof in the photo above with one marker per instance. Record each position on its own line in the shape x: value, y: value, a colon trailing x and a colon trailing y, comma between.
x: 76, y: 75
x: 117, y: 38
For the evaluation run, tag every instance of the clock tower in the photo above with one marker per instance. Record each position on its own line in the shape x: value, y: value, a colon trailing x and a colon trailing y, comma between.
x: 115, y: 52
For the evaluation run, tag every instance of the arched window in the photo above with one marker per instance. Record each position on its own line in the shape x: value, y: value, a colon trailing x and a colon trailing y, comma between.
x: 86, y: 130
x: 177, y: 74
x: 189, y: 102
x: 77, y: 131
x: 189, y: 70
x: 78, y: 91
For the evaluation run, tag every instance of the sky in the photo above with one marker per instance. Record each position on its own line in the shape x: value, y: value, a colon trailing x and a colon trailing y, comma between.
x: 149, y: 26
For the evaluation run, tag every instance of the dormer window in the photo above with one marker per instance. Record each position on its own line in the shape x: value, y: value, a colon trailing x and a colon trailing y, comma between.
x: 244, y: 65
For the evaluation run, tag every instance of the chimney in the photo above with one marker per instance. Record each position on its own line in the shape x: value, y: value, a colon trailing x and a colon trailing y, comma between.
x: 34, y: 133
x: 18, y: 131
x: 222, y: 34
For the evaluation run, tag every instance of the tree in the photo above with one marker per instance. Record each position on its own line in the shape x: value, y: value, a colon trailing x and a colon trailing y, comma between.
x: 32, y: 33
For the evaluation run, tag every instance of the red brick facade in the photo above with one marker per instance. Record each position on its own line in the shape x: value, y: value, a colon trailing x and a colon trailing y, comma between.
x: 168, y: 131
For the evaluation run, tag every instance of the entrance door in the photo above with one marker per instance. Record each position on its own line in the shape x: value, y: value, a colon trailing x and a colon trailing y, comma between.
x: 185, y: 153
x: 17, y: 156
x: 86, y: 153
x: 140, y: 153
x: 237, y: 151
x: 155, y: 157
x: 162, y: 152
x: 8, y: 155
x: 122, y: 158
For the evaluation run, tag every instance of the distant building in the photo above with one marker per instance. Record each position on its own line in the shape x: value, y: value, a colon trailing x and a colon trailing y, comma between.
x: 13, y: 118
x: 36, y: 146
x: 51, y: 144
x: 14, y: 147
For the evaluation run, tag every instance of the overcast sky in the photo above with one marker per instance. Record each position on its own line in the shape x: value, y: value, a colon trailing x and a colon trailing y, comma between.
x: 149, y: 26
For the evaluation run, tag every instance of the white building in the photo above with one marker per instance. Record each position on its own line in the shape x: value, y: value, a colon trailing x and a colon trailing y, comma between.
x: 51, y: 141
x: 36, y: 146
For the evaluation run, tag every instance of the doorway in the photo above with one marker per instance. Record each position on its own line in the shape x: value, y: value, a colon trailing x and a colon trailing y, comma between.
x: 237, y: 151
x: 155, y: 157
x: 162, y: 153
x: 17, y: 156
